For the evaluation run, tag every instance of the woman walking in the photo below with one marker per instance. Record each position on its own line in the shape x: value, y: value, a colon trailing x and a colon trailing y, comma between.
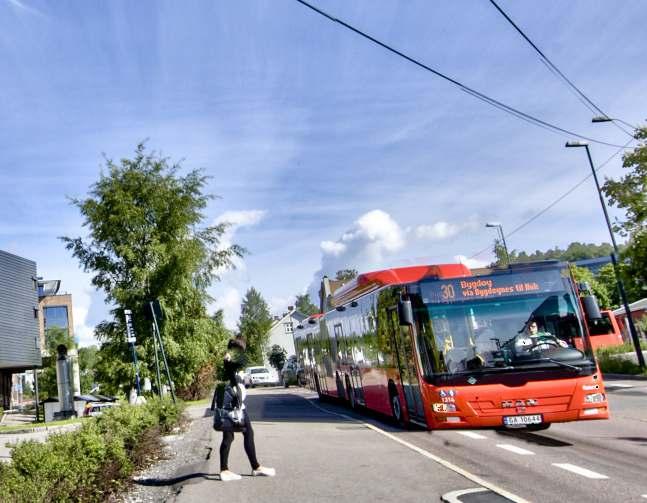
x: 232, y: 392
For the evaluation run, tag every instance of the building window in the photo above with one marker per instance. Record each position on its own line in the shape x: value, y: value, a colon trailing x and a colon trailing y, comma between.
x: 289, y: 328
x: 55, y: 316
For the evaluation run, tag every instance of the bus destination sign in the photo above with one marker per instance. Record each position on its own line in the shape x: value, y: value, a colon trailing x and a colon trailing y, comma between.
x: 494, y: 286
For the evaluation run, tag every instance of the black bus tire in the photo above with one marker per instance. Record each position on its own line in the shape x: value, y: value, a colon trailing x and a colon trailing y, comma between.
x: 350, y: 392
x: 396, y: 405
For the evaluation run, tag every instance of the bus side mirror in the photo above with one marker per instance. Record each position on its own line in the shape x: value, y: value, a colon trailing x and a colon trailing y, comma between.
x: 591, y: 307
x: 405, y: 312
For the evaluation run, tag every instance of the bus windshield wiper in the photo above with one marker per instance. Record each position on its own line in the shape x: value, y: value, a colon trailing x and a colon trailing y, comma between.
x: 561, y: 364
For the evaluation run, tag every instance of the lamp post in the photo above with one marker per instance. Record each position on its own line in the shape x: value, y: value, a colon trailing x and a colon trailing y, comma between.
x: 499, y: 228
x: 614, y: 255
x: 604, y: 118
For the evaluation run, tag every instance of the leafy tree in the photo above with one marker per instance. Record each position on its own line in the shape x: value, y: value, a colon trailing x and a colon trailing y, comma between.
x: 54, y: 337
x: 583, y: 275
x: 606, y: 276
x: 146, y: 242
x: 304, y: 306
x: 254, y: 325
x: 87, y: 364
x: 345, y: 275
x: 277, y: 356
x: 630, y: 193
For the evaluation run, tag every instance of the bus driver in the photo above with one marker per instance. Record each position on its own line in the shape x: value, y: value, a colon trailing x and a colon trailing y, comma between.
x: 534, y: 340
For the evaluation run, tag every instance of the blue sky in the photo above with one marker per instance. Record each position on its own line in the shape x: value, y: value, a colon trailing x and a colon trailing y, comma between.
x: 326, y: 151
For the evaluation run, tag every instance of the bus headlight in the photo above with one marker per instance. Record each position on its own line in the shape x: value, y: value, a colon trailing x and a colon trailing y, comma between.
x: 594, y: 398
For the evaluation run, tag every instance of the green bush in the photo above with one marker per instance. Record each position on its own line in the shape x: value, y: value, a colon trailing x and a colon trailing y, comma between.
x: 611, y: 362
x: 89, y: 463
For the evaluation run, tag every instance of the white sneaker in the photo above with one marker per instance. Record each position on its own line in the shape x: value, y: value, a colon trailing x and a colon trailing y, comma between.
x: 263, y: 471
x: 228, y: 476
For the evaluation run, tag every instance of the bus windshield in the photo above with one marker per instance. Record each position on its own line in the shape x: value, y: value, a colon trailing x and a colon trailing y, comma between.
x: 521, y: 320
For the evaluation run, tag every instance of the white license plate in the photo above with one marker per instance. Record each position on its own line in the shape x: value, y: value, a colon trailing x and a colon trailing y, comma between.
x: 522, y: 420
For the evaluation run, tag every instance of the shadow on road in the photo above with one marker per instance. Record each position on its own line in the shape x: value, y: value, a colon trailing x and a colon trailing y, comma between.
x: 176, y: 480
x: 533, y: 438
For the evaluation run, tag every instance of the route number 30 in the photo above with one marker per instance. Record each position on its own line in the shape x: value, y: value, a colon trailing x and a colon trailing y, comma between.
x: 447, y: 292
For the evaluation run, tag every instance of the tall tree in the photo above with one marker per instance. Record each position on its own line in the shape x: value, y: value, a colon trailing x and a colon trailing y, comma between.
x: 599, y: 289
x: 304, y: 306
x: 346, y: 275
x: 146, y: 242
x: 630, y: 194
x: 254, y: 324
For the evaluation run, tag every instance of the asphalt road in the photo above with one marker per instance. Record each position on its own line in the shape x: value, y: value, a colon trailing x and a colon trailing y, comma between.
x: 325, y: 452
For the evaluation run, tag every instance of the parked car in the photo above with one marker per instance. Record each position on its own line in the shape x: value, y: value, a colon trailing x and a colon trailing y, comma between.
x: 258, y: 376
x: 96, y: 408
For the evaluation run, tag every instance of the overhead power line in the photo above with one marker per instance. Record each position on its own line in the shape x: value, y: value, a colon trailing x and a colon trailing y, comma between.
x: 586, y: 101
x: 558, y: 200
x: 483, y: 97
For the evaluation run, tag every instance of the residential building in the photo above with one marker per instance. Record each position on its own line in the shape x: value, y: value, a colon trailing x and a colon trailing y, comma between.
x: 55, y: 310
x: 282, y: 331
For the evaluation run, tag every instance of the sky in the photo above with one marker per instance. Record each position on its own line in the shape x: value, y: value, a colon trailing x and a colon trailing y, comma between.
x: 326, y: 151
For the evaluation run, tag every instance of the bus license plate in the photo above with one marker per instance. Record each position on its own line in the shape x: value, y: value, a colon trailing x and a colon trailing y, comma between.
x: 522, y: 420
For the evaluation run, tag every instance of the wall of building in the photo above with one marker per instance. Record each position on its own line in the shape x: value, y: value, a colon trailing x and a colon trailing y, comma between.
x: 20, y: 347
x: 63, y: 301
x: 19, y: 336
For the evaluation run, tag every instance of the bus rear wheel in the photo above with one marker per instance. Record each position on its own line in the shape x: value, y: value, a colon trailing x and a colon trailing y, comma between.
x: 396, y: 407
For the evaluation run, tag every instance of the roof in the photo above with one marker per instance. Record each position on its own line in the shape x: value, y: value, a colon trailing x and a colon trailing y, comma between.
x: 294, y: 315
x: 639, y: 305
x: 370, y: 281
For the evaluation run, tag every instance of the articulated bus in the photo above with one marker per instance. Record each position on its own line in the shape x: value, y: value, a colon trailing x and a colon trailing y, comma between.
x: 442, y: 346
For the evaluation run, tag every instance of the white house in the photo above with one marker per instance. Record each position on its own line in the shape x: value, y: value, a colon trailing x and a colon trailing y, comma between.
x: 282, y: 332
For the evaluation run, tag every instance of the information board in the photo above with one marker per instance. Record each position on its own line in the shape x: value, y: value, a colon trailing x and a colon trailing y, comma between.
x: 492, y: 286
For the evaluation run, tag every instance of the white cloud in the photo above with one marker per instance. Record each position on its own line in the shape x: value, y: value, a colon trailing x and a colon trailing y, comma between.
x: 332, y: 247
x: 229, y: 302
x: 439, y: 230
x: 236, y: 221
x: 472, y: 263
x: 374, y: 238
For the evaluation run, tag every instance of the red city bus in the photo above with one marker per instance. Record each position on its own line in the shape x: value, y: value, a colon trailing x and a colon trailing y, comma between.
x: 604, y: 332
x: 442, y: 346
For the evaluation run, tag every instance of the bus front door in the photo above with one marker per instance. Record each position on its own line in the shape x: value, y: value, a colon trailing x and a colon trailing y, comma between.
x: 404, y: 352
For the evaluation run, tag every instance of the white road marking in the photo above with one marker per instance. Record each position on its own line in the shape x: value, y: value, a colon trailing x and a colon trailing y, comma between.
x: 447, y: 464
x: 618, y: 385
x: 643, y: 496
x: 454, y: 496
x: 515, y: 449
x: 471, y: 434
x: 580, y: 471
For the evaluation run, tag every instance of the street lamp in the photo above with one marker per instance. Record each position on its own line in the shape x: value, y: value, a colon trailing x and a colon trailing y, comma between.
x: 604, y: 118
x: 621, y: 288
x: 499, y: 228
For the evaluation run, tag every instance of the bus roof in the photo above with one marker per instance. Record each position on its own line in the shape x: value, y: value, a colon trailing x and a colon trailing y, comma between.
x: 370, y: 281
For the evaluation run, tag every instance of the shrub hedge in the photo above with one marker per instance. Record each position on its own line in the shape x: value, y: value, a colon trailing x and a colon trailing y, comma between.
x: 92, y: 462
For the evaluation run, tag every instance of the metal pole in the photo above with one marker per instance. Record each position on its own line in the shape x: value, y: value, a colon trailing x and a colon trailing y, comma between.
x: 157, y: 329
x: 505, y: 246
x: 157, y: 362
x: 36, y: 395
x: 137, y: 385
x: 623, y: 295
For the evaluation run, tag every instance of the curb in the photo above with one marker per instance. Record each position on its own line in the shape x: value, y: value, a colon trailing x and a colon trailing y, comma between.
x: 36, y: 429
x: 627, y: 377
